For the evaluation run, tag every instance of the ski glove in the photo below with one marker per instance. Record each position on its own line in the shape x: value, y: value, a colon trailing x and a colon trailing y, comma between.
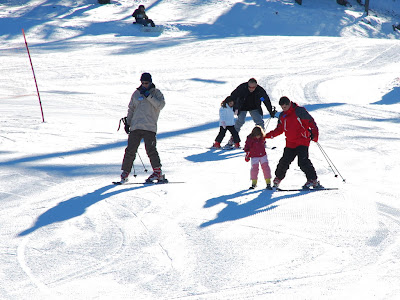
x: 126, y: 127
x: 273, y: 112
x: 145, y: 92
x: 312, y: 137
x: 247, y: 157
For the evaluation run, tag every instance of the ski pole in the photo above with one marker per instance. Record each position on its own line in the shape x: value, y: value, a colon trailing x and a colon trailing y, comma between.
x: 142, y: 162
x: 269, y: 119
x: 330, y: 163
x: 134, y: 171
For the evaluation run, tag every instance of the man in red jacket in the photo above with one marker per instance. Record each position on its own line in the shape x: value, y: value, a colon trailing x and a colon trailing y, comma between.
x: 299, y: 128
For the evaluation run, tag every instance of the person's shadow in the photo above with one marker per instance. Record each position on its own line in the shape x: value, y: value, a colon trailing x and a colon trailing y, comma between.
x: 73, y: 207
x: 235, y: 211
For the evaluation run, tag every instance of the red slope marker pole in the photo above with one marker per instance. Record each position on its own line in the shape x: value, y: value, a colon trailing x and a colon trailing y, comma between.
x: 34, y: 76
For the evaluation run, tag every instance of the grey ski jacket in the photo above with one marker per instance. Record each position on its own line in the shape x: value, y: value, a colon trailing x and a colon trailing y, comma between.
x: 143, y: 112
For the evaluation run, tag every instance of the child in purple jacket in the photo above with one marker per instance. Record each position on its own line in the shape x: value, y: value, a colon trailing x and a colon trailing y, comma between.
x: 255, y: 151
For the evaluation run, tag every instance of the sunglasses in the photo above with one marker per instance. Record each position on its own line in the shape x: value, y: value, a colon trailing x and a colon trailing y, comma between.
x: 145, y: 82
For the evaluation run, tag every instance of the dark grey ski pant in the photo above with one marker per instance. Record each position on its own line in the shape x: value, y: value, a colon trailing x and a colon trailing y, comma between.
x: 150, y: 143
x: 289, y: 154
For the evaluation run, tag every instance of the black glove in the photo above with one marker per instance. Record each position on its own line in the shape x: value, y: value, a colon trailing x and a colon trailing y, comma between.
x: 145, y: 92
x: 273, y: 112
x: 312, y: 136
x: 126, y: 125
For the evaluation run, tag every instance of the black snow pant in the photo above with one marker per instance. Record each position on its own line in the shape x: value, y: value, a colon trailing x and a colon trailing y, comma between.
x: 150, y: 143
x: 144, y: 22
x: 289, y: 154
x: 222, y: 133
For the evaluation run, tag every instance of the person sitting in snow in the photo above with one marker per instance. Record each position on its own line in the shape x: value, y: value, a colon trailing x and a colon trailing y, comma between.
x: 141, y: 18
x: 226, y: 122
x: 343, y: 2
x: 255, y: 151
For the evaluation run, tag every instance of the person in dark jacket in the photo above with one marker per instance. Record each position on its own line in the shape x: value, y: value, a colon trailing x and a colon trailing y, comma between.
x: 299, y: 128
x: 141, y: 18
x: 248, y: 97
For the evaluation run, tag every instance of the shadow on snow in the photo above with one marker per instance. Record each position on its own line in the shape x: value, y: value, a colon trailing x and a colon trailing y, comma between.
x: 74, y: 207
x: 207, y: 155
x: 268, y: 19
x: 234, y: 211
x: 393, y: 97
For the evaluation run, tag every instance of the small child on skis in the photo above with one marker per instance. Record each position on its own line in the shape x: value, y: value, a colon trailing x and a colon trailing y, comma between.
x: 226, y: 122
x: 255, y: 151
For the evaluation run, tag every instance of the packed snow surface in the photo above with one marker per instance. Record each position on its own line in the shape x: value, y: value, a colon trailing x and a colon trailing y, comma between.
x: 67, y: 233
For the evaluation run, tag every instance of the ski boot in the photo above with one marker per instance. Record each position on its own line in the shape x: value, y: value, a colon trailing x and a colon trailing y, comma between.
x: 216, y: 145
x: 276, y: 182
x: 314, y: 183
x: 124, y: 177
x: 253, y: 184
x: 229, y: 145
x: 156, y: 177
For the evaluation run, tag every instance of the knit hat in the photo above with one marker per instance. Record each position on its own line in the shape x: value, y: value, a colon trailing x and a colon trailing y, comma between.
x: 146, y: 77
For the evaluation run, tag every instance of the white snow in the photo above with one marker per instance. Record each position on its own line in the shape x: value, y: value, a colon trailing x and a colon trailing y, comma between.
x: 67, y: 233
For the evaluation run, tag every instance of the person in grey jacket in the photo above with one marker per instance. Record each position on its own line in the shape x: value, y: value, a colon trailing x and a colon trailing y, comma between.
x: 141, y: 123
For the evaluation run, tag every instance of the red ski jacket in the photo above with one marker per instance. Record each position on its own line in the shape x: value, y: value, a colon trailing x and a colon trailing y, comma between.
x: 297, y: 123
x: 256, y: 147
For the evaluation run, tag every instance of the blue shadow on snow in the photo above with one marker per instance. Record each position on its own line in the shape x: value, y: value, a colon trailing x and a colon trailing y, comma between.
x: 73, y: 207
x: 162, y: 135
x: 214, y: 155
x: 263, y: 202
x: 208, y: 80
x: 268, y: 19
x: 393, y: 97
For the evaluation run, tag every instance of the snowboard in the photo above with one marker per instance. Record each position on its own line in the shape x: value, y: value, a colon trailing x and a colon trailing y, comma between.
x: 157, y: 29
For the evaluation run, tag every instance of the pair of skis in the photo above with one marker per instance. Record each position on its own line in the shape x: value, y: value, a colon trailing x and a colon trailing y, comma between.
x: 226, y: 147
x: 304, y: 190
x: 144, y: 183
x: 162, y: 180
x: 147, y: 182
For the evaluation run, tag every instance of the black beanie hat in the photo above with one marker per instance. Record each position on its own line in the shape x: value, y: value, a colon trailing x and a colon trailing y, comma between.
x: 146, y: 77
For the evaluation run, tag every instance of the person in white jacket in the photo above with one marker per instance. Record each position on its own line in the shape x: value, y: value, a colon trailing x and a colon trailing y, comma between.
x: 141, y: 123
x: 226, y: 122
